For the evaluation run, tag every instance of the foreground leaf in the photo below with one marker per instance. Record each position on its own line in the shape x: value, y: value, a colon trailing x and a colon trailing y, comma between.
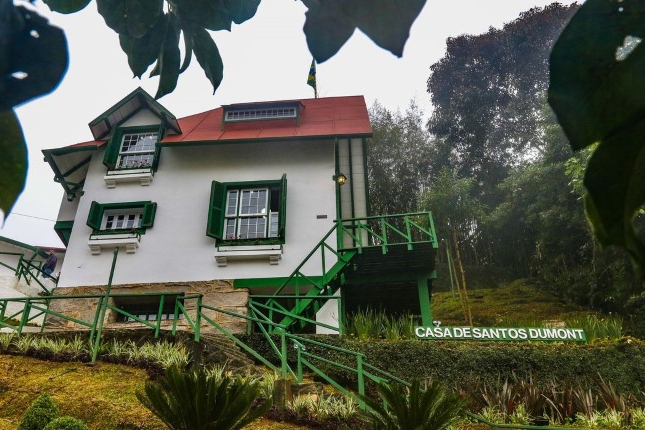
x: 330, y: 23
x: 142, y: 52
x: 35, y: 59
x: 598, y: 98
x: 208, y: 57
x: 241, y: 10
x: 132, y: 18
x: 13, y: 163
x: 169, y: 59
x: 66, y: 6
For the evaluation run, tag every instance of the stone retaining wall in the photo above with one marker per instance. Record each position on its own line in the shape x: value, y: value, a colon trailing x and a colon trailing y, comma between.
x: 217, y: 293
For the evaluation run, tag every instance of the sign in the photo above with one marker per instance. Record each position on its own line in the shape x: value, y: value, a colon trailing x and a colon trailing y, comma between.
x: 501, y: 334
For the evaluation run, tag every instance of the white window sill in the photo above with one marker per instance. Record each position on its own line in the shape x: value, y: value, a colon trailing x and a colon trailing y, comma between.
x: 144, y: 176
x: 129, y: 241
x: 252, y: 252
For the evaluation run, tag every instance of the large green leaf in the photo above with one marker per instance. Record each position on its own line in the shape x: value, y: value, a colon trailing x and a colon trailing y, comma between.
x: 596, y: 90
x: 208, y: 57
x: 34, y: 60
x: 241, y: 10
x: 169, y: 59
x: 66, y: 6
x: 13, y: 162
x: 210, y: 14
x: 330, y: 23
x: 133, y: 18
x: 142, y: 52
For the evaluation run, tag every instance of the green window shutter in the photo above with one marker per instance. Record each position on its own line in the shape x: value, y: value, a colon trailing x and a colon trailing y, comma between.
x: 95, y: 216
x: 155, y: 162
x: 215, y: 226
x: 283, y: 207
x: 148, y: 216
x: 112, y: 151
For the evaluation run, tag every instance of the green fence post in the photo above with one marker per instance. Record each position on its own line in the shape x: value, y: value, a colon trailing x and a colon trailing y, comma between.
x: 198, y: 319
x: 42, y: 327
x: 175, y: 317
x: 283, y: 352
x: 361, y: 378
x: 25, y: 316
x: 103, y: 308
x: 3, y: 308
x: 299, y: 348
x: 95, y: 322
x: 159, y: 312
x: 339, y: 307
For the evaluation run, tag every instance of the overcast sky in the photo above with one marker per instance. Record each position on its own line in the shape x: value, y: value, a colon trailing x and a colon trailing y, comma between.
x: 265, y: 58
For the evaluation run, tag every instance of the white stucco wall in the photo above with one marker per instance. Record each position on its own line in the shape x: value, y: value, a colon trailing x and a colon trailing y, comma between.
x: 68, y: 209
x: 176, y: 248
x: 143, y: 117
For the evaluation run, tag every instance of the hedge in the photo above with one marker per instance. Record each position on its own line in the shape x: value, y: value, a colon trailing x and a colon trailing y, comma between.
x: 462, y: 364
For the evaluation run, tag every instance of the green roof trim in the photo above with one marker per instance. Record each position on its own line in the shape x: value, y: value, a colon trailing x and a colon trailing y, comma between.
x: 169, y: 120
x: 71, y: 149
x: 259, y: 140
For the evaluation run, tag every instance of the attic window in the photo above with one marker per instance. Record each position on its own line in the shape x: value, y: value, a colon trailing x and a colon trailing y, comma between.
x: 256, y: 114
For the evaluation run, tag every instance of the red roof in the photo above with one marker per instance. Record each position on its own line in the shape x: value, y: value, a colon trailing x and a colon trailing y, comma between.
x: 325, y: 117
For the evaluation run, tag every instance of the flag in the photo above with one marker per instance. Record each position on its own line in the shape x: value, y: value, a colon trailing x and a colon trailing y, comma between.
x: 311, y: 79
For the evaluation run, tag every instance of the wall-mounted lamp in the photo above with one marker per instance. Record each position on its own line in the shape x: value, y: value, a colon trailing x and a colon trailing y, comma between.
x: 340, y: 179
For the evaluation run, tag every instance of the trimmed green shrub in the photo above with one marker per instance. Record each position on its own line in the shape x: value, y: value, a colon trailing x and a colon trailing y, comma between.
x: 39, y: 413
x: 66, y: 423
x: 462, y: 364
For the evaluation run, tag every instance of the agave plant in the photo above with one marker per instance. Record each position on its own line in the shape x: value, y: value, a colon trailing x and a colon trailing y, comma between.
x: 401, y: 408
x: 195, y: 401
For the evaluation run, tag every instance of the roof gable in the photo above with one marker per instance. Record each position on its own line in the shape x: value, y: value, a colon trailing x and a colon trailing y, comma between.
x: 138, y: 99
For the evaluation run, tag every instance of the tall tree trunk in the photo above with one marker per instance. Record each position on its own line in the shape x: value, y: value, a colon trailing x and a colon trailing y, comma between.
x: 464, y: 296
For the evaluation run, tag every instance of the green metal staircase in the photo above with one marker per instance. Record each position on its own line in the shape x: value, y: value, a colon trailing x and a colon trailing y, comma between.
x: 353, y: 249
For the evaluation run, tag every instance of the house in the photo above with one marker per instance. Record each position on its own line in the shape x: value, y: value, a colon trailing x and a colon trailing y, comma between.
x: 235, y: 204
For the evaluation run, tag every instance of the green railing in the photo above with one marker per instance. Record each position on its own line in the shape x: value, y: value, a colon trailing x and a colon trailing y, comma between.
x: 386, y: 230
x: 327, y: 261
x: 304, y: 359
x: 28, y: 269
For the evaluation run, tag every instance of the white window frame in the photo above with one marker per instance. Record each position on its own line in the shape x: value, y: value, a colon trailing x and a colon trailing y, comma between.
x: 234, y: 218
x: 135, y: 213
x: 132, y: 140
x: 261, y: 113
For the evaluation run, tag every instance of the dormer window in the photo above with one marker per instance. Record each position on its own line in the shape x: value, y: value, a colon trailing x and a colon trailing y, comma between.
x: 137, y: 150
x: 132, y: 155
x: 261, y: 112
x: 251, y: 114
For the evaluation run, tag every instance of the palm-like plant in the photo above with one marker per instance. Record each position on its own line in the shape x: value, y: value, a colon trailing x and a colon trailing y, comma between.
x: 401, y: 408
x: 195, y: 401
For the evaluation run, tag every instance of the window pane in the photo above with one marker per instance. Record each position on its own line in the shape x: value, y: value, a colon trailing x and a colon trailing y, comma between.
x: 254, y: 202
x: 252, y: 228
x: 231, y: 203
x: 273, y: 224
x: 229, y: 229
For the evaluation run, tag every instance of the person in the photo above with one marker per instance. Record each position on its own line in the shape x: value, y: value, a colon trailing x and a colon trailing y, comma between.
x: 50, y: 264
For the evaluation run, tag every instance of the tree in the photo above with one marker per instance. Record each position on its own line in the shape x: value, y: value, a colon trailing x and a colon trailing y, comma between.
x: 488, y: 92
x: 33, y: 54
x: 398, y: 159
